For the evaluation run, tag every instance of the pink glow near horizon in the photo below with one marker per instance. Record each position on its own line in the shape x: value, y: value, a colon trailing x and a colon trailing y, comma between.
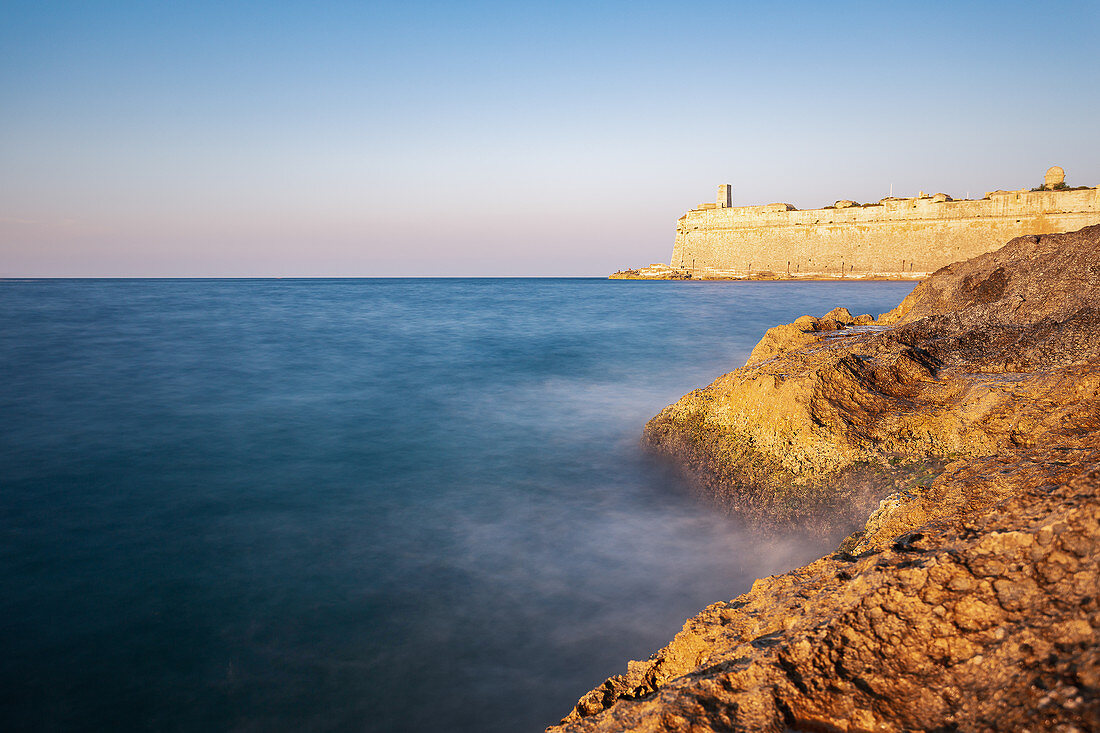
x: 500, y: 139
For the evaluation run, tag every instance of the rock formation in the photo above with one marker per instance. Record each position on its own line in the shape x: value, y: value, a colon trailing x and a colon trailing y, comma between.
x: 970, y: 600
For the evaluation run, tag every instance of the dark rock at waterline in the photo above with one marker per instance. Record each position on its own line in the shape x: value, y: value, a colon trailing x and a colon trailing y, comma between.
x: 967, y: 602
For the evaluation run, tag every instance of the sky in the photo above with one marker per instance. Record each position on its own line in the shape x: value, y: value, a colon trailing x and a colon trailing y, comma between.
x: 236, y: 139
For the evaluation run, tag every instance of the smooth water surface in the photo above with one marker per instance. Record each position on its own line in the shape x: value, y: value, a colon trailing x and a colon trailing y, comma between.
x: 357, y: 505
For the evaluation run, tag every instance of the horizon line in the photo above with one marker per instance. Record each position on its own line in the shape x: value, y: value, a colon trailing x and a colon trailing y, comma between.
x: 10, y: 278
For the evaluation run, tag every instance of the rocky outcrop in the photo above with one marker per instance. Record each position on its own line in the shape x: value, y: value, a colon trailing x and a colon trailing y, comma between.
x: 988, y: 355
x: 970, y: 600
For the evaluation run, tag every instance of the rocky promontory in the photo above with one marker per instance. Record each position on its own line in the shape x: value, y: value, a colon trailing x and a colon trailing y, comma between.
x: 967, y: 422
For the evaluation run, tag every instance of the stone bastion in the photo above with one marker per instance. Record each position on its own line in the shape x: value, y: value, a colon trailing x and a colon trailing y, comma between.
x: 894, y: 238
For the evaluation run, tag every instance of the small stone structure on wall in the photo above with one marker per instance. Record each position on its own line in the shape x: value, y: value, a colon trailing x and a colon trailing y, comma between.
x: 1054, y: 178
x: 893, y: 238
x: 725, y: 196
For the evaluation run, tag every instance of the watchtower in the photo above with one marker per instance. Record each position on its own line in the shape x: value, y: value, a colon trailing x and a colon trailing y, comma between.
x: 725, y: 196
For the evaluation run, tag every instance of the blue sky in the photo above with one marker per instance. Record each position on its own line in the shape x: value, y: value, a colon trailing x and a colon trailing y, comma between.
x: 415, y: 138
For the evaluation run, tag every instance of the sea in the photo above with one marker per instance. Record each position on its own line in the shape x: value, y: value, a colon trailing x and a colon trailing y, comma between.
x: 358, y: 504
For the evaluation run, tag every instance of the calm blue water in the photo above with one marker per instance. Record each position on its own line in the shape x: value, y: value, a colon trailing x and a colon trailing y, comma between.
x: 384, y: 505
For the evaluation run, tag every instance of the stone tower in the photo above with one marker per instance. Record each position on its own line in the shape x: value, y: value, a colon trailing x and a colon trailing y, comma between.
x: 725, y: 195
x: 1055, y: 177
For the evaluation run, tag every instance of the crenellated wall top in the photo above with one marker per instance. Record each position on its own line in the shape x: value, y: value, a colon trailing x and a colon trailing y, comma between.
x: 923, y: 206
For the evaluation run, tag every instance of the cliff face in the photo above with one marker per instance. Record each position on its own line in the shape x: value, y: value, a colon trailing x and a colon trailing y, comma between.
x: 970, y: 600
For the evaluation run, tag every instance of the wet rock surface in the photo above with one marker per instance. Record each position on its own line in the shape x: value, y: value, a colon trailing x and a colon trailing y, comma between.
x: 966, y: 423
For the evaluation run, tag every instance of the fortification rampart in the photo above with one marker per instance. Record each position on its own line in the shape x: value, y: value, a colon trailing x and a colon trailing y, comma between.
x: 916, y: 235
x: 896, y: 237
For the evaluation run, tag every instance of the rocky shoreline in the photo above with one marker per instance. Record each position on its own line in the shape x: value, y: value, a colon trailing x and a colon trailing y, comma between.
x: 970, y: 600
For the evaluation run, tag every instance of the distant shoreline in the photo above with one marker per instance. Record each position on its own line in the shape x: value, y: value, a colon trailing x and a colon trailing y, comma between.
x: 687, y: 277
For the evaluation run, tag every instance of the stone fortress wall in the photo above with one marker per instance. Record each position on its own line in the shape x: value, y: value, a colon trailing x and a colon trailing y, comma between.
x: 896, y: 237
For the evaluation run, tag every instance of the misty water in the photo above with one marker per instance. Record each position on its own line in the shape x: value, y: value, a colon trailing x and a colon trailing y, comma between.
x: 351, y: 505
